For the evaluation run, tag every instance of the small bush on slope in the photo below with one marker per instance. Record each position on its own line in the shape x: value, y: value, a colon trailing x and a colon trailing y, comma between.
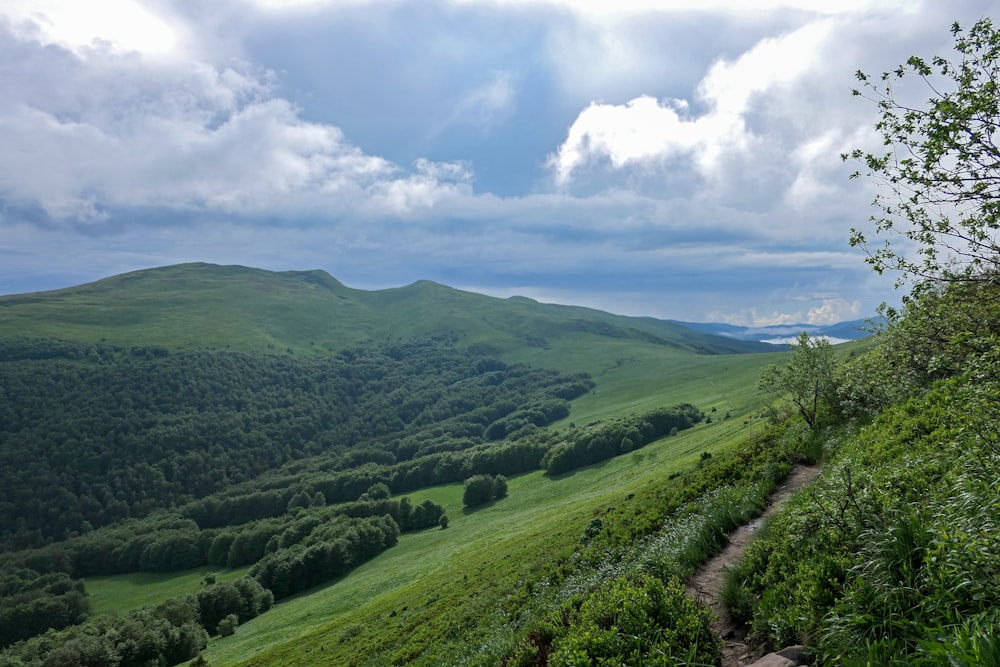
x: 634, y: 621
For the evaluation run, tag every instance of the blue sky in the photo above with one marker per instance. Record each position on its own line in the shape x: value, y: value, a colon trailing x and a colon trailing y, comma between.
x: 677, y: 159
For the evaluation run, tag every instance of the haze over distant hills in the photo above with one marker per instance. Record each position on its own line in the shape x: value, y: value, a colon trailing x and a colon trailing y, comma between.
x: 784, y: 333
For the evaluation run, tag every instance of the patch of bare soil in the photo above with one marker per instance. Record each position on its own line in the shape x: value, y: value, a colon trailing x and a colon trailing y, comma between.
x: 707, y: 582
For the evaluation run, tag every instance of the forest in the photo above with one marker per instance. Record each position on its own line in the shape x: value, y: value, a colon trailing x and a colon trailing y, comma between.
x: 96, y: 434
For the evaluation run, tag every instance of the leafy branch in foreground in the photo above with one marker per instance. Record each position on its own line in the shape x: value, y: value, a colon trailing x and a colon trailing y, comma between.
x: 939, y: 177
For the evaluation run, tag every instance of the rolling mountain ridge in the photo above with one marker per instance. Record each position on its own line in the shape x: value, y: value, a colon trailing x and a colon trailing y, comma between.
x: 309, y: 311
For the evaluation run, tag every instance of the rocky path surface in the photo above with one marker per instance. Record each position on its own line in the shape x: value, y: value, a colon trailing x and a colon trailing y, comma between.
x: 707, y: 582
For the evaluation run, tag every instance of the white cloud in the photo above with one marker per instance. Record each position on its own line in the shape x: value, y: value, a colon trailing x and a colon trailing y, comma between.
x: 489, y: 102
x: 603, y: 8
x: 229, y: 168
x: 125, y: 25
x: 829, y: 311
x: 84, y: 133
x: 645, y: 130
x: 640, y: 130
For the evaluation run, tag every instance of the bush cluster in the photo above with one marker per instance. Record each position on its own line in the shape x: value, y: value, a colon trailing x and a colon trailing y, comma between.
x: 481, y: 489
x: 168, y: 634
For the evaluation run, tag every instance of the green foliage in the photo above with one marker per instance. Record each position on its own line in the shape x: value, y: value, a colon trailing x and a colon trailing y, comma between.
x: 808, y: 378
x: 894, y: 551
x: 243, y: 599
x: 227, y: 626
x: 939, y: 174
x: 329, y: 552
x: 143, y: 637
x: 940, y: 332
x: 168, y: 634
x: 630, y: 621
x: 581, y: 447
x: 481, y: 489
x: 31, y: 603
x: 104, y: 440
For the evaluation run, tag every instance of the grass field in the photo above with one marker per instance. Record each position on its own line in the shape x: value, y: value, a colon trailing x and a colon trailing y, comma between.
x: 122, y: 592
x: 456, y: 575
x: 246, y: 309
x: 379, y: 613
x: 454, y: 578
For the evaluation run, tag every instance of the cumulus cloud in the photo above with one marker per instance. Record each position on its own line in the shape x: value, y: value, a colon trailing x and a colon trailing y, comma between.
x: 87, y: 132
x: 124, y: 25
x: 694, y: 144
x: 829, y: 310
x: 646, y: 130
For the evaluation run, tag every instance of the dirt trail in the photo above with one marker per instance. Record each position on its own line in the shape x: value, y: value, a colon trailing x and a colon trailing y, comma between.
x: 707, y: 582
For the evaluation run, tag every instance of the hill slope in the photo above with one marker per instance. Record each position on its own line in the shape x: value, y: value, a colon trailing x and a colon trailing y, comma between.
x: 241, y: 402
x: 252, y: 309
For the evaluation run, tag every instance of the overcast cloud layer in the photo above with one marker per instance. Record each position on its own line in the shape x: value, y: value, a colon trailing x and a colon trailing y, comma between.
x: 673, y: 159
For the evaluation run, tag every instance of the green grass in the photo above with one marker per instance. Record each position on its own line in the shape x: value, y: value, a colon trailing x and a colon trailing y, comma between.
x: 123, y: 592
x: 436, y: 583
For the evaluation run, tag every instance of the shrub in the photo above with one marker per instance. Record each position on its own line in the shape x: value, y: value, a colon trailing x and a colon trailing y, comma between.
x: 632, y: 621
x: 227, y: 626
x: 481, y: 489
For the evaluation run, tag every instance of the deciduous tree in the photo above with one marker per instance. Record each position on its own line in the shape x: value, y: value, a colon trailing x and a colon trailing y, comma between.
x: 809, y: 378
x: 939, y: 174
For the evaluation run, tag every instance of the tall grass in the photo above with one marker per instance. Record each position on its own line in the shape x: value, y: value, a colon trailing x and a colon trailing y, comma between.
x: 894, y: 556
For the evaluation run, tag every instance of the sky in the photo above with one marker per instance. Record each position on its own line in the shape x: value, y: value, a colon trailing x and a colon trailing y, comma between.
x: 678, y: 159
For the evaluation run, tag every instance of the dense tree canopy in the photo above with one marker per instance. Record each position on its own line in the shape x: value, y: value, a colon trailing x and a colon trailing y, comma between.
x: 94, y: 434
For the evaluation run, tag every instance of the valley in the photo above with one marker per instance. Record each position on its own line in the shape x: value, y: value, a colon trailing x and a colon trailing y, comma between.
x: 127, y: 327
x: 269, y: 502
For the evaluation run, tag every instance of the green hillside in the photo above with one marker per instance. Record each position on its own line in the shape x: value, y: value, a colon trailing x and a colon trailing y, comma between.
x: 273, y: 504
x: 248, y: 309
x: 635, y: 362
x: 183, y: 417
x: 267, y: 469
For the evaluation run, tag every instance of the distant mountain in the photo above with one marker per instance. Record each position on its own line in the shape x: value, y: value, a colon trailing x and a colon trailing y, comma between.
x: 784, y: 333
x: 241, y: 308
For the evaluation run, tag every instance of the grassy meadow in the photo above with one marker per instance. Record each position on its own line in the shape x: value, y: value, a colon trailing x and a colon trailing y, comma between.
x: 122, y: 592
x: 438, y: 582
x: 310, y: 312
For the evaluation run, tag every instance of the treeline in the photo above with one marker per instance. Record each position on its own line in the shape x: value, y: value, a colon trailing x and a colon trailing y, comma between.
x: 326, y: 554
x: 168, y: 634
x: 582, y: 447
x: 289, y: 554
x: 169, y: 543
x: 95, y: 434
x: 556, y: 452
